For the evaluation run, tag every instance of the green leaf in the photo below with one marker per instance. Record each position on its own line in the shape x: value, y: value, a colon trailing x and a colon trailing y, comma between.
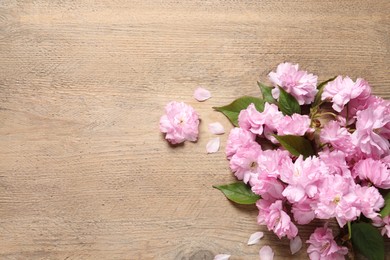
x: 296, y: 145
x: 238, y: 192
x: 267, y: 93
x: 368, y: 241
x: 386, y: 209
x: 287, y: 103
x: 320, y: 87
x: 232, y: 110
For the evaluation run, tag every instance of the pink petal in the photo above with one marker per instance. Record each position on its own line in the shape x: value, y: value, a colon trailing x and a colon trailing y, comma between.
x: 216, y: 128
x: 202, y: 94
x: 222, y: 257
x: 266, y: 253
x: 213, y: 145
x: 255, y: 238
x: 295, y: 244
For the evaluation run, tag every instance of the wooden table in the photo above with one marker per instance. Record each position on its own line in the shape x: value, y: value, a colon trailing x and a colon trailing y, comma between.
x: 84, y: 171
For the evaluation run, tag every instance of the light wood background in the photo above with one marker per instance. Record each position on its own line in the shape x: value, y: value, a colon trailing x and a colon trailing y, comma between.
x: 84, y: 171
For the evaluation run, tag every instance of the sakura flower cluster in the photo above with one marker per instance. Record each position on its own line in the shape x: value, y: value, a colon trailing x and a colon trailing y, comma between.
x: 346, y: 176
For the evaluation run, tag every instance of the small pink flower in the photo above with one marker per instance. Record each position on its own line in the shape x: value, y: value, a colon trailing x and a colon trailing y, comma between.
x: 303, y: 178
x: 375, y: 171
x: 370, y: 201
x: 238, y: 138
x: 340, y: 91
x: 372, y: 131
x: 277, y: 220
x: 265, y: 122
x: 338, y: 137
x: 322, y: 245
x: 335, y: 161
x: 337, y: 198
x: 252, y: 120
x: 299, y: 83
x: 244, y: 162
x: 294, y: 125
x: 180, y: 123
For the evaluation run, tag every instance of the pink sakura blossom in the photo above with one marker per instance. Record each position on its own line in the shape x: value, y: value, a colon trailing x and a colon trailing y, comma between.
x: 260, y: 122
x: 299, y: 83
x: 267, y: 183
x: 276, y: 219
x: 238, y: 138
x: 303, y: 178
x: 340, y: 91
x: 295, y: 125
x: 322, y: 245
x: 337, y: 198
x: 244, y: 162
x: 337, y: 136
x: 180, y: 123
x: 335, y: 161
x: 375, y: 171
x: 373, y: 131
x: 370, y: 201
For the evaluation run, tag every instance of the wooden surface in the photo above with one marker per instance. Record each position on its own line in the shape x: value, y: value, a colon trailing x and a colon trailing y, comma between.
x: 84, y: 171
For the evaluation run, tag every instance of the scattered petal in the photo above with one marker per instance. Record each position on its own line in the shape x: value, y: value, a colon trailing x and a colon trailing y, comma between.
x: 295, y: 244
x: 202, y: 94
x: 266, y: 253
x: 213, y: 145
x: 216, y: 128
x: 255, y: 238
x: 222, y: 257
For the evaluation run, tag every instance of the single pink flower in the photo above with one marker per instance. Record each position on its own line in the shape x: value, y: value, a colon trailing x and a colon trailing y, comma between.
x: 252, y: 120
x: 180, y: 123
x: 265, y: 122
x: 238, y: 138
x: 376, y: 171
x: 370, y: 201
x: 322, y: 245
x: 340, y: 91
x: 276, y: 219
x: 300, y: 84
x: 335, y: 161
x: 303, y: 178
x: 372, y: 131
x: 244, y: 162
x: 337, y: 198
x: 294, y: 125
x: 338, y: 137
x: 267, y: 187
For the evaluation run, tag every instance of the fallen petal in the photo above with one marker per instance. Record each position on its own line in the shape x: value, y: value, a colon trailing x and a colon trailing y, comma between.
x: 255, y: 238
x: 266, y: 253
x: 202, y: 94
x: 295, y: 244
x: 222, y: 257
x: 213, y: 145
x: 216, y: 128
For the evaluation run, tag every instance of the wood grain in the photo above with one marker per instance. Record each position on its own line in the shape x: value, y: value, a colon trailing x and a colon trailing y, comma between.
x: 84, y: 172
